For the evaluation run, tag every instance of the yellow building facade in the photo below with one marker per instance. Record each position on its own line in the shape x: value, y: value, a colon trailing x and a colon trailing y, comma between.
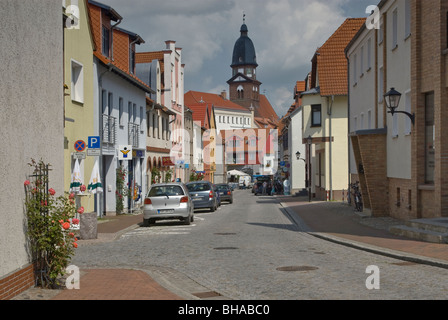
x: 78, y: 94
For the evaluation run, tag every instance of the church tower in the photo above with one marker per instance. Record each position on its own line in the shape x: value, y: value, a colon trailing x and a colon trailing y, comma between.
x: 244, y: 88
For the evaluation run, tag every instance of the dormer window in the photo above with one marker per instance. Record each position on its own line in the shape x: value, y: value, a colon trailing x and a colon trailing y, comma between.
x: 132, y: 59
x: 105, y: 44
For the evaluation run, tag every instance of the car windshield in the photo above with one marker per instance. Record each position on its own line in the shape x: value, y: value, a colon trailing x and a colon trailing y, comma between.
x: 223, y: 188
x: 198, y: 187
x: 159, y: 191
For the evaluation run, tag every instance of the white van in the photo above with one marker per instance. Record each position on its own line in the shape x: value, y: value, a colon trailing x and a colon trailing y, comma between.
x: 244, y: 179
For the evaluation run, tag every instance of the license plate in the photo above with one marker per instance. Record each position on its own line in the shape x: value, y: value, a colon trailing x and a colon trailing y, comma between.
x: 166, y: 211
x: 197, y: 199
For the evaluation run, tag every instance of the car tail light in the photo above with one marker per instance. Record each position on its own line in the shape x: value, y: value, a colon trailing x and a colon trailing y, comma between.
x: 183, y: 199
x: 210, y: 195
x: 228, y: 192
x: 147, y: 201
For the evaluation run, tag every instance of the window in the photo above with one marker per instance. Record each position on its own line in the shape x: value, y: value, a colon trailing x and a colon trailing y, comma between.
x: 77, y: 82
x: 316, y: 112
x: 395, y: 29
x: 132, y: 59
x: 380, y: 33
x: 369, y: 54
x: 141, y: 117
x: 369, y: 119
x: 104, y: 101
x: 154, y: 124
x: 362, y: 60
x: 355, y: 69
x: 381, y: 85
x: 110, y: 102
x: 120, y: 111
x: 134, y: 112
x: 429, y: 138
x: 105, y: 42
x: 129, y: 111
x: 407, y: 26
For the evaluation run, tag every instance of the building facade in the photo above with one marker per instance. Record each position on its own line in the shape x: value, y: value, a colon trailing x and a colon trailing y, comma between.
x: 31, y: 123
x: 120, y: 104
x: 407, y: 167
x: 325, y: 115
x: 79, y: 98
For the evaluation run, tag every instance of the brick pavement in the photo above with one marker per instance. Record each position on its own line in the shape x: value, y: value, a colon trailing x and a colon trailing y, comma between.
x: 117, y: 284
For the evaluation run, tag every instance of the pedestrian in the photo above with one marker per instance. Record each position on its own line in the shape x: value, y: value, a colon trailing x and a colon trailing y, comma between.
x: 265, y: 184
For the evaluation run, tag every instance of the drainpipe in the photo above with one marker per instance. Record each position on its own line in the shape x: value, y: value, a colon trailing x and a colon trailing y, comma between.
x: 100, y: 132
x: 329, y: 112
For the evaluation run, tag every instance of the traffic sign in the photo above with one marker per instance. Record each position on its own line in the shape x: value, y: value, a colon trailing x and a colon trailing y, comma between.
x: 125, y: 152
x: 94, y: 142
x: 80, y: 146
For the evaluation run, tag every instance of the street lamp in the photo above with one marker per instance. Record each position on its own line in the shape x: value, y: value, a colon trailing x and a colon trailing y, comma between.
x: 393, y: 100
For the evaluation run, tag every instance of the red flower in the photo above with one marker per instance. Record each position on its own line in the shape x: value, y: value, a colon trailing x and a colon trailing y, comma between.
x: 75, y: 221
x: 66, y: 225
x: 71, y: 234
x: 71, y: 196
x: 81, y: 210
x: 51, y: 191
x: 82, y: 188
x: 75, y: 245
x: 27, y: 182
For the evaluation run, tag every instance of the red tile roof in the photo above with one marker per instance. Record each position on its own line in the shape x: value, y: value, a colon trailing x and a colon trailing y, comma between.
x: 331, y: 60
x: 199, y: 98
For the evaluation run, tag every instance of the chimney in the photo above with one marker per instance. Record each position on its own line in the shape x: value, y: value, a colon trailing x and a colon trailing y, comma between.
x: 224, y: 94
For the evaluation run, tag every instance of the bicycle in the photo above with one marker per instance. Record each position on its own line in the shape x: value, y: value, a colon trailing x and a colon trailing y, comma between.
x: 357, y: 196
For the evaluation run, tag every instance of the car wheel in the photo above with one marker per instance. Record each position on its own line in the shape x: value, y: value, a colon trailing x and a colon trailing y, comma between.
x: 212, y: 209
x: 187, y: 221
x: 231, y: 201
x: 146, y: 223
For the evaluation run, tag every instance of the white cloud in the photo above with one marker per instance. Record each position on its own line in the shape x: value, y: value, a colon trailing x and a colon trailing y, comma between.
x: 285, y: 33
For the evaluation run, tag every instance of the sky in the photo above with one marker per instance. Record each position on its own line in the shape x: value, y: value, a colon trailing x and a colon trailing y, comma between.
x: 285, y: 33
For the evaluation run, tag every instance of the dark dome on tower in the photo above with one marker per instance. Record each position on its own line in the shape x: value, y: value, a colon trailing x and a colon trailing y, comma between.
x: 244, y: 50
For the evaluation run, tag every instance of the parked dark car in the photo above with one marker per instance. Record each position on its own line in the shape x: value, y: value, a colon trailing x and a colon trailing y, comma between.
x: 225, y: 192
x: 218, y: 196
x: 203, y: 195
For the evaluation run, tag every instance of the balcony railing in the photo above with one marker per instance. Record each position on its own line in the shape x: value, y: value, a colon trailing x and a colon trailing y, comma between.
x: 133, y: 134
x: 109, y: 131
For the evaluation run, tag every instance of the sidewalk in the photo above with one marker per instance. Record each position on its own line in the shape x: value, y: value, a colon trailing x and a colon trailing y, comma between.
x: 339, y: 223
x: 332, y: 221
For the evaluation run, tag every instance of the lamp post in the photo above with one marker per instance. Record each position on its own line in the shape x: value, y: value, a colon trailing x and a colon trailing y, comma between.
x: 309, y: 141
x: 393, y: 100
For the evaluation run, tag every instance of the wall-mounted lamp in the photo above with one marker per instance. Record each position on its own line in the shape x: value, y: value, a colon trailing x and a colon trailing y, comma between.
x: 298, y: 154
x: 393, y: 100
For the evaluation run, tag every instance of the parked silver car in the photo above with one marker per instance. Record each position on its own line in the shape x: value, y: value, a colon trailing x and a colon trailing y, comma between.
x: 168, y: 201
x: 203, y: 195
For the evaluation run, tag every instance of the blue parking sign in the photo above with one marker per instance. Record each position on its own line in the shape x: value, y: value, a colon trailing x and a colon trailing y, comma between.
x: 94, y: 142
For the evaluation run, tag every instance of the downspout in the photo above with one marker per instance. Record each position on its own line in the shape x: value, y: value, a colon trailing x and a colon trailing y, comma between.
x: 100, y: 204
x: 349, y: 140
x: 329, y: 112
